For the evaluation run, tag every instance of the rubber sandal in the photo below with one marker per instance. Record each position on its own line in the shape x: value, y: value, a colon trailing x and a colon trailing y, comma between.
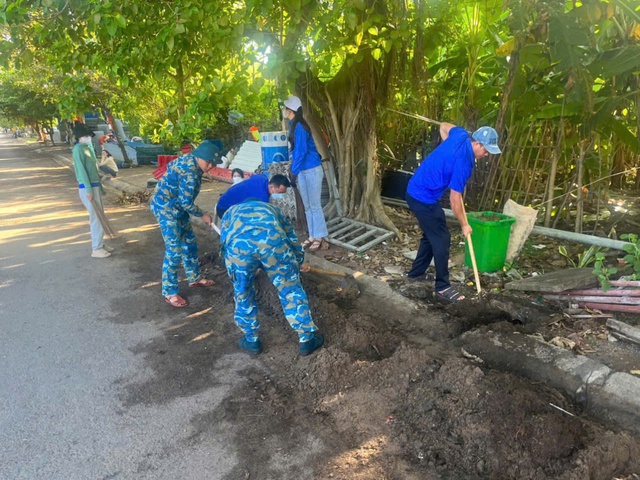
x: 318, y: 245
x: 307, y: 243
x: 203, y: 282
x: 449, y: 295
x: 176, y: 301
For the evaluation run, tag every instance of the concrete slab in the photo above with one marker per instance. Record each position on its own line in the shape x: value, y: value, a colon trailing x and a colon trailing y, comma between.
x: 618, y: 401
x: 556, y: 281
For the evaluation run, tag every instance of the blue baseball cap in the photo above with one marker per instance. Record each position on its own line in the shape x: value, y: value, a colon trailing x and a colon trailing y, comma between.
x: 209, y: 151
x: 488, y: 137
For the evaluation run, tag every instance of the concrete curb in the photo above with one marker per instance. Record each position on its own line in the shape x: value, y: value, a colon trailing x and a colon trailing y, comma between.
x: 612, y: 397
x: 375, y: 295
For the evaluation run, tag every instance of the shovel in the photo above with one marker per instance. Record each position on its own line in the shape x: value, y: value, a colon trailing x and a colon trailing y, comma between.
x: 348, y: 284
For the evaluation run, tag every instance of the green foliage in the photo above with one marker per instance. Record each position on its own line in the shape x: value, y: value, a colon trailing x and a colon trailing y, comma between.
x: 603, y: 272
x: 633, y: 254
x: 176, y: 67
x: 585, y: 258
x: 23, y: 101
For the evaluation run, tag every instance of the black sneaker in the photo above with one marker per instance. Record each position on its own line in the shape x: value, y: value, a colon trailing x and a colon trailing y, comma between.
x: 307, y: 348
x: 254, y: 348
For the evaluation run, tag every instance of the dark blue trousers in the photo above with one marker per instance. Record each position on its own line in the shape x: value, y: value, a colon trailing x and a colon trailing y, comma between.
x: 435, y: 241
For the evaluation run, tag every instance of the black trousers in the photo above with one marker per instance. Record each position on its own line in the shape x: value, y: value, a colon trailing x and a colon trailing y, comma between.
x: 435, y: 241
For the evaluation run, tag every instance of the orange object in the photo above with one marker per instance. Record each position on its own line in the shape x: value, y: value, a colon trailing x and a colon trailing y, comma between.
x: 255, y: 133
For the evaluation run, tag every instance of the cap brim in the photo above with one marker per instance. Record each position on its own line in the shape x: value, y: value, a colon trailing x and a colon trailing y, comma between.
x: 493, y: 149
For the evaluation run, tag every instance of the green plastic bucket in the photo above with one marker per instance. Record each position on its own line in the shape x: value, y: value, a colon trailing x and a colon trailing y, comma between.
x: 490, y: 238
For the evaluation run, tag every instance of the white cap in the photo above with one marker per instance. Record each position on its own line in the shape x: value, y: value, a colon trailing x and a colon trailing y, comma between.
x: 293, y: 103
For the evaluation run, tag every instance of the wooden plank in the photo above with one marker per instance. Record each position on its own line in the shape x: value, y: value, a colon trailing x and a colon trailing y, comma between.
x: 630, y: 333
x: 594, y: 299
x: 625, y: 283
x: 601, y: 293
x: 556, y: 282
x: 613, y: 307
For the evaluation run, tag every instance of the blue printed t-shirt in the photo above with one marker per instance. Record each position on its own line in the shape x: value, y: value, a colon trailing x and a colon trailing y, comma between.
x: 256, y: 186
x: 449, y: 165
x: 304, y: 155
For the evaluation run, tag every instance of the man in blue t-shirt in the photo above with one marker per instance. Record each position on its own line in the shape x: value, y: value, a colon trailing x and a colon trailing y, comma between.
x: 449, y: 166
x: 258, y: 187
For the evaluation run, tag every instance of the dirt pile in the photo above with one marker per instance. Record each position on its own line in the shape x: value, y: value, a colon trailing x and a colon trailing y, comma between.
x: 386, y: 408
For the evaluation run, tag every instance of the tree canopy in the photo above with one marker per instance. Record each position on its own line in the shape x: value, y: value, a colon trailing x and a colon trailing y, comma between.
x: 559, y: 80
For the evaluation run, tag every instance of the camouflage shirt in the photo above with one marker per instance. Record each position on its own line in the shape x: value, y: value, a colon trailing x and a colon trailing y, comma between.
x: 259, y: 223
x: 177, y: 190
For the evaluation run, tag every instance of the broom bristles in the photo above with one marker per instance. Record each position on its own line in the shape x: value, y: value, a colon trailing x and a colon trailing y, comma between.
x: 104, y: 221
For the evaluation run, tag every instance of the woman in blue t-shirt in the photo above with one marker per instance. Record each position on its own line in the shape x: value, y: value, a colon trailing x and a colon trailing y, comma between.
x: 306, y: 165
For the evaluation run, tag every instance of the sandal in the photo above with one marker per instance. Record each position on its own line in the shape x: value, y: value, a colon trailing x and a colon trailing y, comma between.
x: 318, y: 244
x: 203, y: 282
x: 449, y: 295
x: 176, y: 301
x: 307, y: 243
x: 428, y: 277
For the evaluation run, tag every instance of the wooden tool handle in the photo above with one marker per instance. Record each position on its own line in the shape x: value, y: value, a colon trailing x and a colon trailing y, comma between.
x: 473, y: 256
x: 475, y: 266
x: 322, y: 271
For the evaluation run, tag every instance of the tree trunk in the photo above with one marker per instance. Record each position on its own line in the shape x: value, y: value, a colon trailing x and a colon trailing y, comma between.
x: 50, y: 127
x: 107, y: 112
x: 346, y: 109
x: 36, y: 127
x: 618, y: 179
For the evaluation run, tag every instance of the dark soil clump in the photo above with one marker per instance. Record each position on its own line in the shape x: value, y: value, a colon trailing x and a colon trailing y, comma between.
x: 387, y: 409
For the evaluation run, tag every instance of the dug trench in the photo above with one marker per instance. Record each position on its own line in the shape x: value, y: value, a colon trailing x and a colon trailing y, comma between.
x: 387, y: 397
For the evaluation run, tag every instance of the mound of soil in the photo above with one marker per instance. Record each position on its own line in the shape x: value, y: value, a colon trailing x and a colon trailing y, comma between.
x: 379, y: 406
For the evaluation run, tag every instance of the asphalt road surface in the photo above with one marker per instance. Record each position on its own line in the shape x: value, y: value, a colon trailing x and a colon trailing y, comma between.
x: 86, y: 388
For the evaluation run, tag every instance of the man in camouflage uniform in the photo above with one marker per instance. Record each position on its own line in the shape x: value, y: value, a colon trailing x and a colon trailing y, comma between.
x: 172, y: 203
x: 257, y: 235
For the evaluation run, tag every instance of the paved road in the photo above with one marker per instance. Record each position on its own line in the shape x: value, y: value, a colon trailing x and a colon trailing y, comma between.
x: 91, y: 385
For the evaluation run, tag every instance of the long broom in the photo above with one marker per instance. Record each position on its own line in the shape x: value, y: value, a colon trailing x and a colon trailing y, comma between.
x: 104, y: 221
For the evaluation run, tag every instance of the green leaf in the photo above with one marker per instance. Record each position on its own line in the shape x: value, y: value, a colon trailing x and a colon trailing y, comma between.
x: 352, y: 20
x: 617, y: 61
x: 96, y: 18
x: 170, y: 43
x: 373, y: 31
x: 112, y: 28
x: 625, y: 135
x: 179, y: 28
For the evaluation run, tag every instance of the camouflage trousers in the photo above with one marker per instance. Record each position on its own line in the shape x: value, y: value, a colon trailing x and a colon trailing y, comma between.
x: 243, y: 257
x: 180, y: 248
